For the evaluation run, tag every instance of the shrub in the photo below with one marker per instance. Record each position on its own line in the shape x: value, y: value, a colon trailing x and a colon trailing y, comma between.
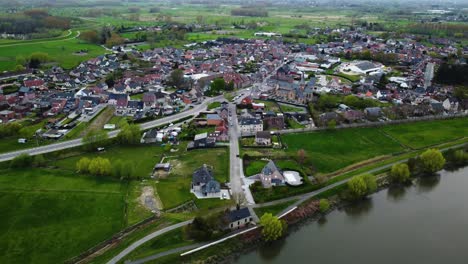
x: 432, y: 161
x: 21, y: 161
x: 400, y: 173
x: 324, y: 205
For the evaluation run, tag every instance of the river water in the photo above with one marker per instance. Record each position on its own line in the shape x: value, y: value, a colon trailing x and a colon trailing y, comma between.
x: 423, y: 223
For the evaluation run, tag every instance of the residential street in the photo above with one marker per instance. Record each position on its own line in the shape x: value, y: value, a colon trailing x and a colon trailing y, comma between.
x: 239, y: 190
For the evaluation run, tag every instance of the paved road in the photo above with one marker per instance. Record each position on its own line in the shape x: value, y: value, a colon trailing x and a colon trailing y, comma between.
x: 147, y: 238
x: 78, y: 142
x: 165, y: 253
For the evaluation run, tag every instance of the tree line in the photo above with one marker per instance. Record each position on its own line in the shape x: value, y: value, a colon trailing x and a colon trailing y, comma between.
x: 453, y: 74
x: 32, y: 21
x: 252, y: 12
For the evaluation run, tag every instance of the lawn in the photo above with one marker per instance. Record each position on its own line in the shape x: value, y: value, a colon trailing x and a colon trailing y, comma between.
x: 49, y: 216
x: 175, y: 189
x: 422, y: 134
x: 333, y: 150
x: 255, y: 167
x: 290, y: 108
x: 214, y: 105
x: 143, y: 157
x: 273, y: 209
x: 270, y: 105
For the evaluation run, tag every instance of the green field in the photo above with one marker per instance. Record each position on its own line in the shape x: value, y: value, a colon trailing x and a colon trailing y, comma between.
x: 45, y: 213
x: 60, y: 51
x: 333, y: 150
x: 143, y: 157
x: 422, y: 134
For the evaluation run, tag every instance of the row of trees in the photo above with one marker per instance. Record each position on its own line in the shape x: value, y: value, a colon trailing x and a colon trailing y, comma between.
x: 454, y: 74
x: 253, y: 12
x: 26, y: 161
x: 361, y: 186
x: 32, y: 21
x: 218, y: 86
x: 104, y: 167
x: 97, y: 166
x: 103, y: 37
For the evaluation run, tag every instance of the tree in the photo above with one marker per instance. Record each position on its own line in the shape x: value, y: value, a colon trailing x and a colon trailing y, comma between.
x: 90, y: 36
x: 273, y: 228
x: 331, y: 125
x: 357, y: 187
x: 432, y: 161
x: 39, y: 161
x: 460, y: 157
x: 400, y: 173
x: 371, y: 183
x: 21, y: 161
x: 82, y: 166
x: 301, y: 156
x: 217, y: 86
x: 129, y: 134
x: 100, y: 166
x: 37, y: 58
x: 114, y: 40
x: 176, y: 78
x: 94, y: 137
x: 324, y: 205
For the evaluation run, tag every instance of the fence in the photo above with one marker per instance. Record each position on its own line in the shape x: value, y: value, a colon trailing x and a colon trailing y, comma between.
x: 127, y: 231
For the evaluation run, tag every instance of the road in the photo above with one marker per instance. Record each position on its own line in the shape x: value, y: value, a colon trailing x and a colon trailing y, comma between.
x: 78, y: 142
x: 64, y: 38
x: 428, y: 74
x: 145, y: 239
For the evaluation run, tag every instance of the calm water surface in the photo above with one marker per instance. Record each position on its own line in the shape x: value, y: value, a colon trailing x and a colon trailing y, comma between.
x: 424, y: 223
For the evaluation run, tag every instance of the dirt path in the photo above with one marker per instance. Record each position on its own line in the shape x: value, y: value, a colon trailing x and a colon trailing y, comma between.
x: 45, y: 41
x: 99, y: 122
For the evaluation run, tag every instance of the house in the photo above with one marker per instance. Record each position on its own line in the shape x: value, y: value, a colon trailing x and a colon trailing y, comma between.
x: 149, y: 136
x: 263, y: 138
x: 450, y: 104
x: 204, y: 184
x: 373, y: 112
x: 214, y: 120
x: 238, y: 218
x: 203, y: 141
x: 6, y: 115
x: 250, y: 125
x: 271, y: 176
x: 273, y: 121
x: 353, y: 115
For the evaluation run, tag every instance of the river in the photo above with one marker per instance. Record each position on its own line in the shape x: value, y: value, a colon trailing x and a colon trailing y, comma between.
x: 423, y: 223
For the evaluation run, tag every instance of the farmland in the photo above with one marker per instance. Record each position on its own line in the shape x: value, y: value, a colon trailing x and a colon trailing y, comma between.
x: 334, y: 150
x: 60, y: 51
x: 46, y: 211
x: 422, y: 134
x: 329, y: 151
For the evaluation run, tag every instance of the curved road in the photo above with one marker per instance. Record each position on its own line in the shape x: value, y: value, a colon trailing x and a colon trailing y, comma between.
x: 78, y: 142
x: 63, y: 38
x: 145, y: 239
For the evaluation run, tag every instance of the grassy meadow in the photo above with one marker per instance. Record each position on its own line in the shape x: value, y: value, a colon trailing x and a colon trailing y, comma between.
x: 45, y: 213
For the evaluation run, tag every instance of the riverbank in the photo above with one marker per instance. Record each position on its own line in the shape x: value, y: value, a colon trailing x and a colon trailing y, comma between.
x: 305, y: 215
